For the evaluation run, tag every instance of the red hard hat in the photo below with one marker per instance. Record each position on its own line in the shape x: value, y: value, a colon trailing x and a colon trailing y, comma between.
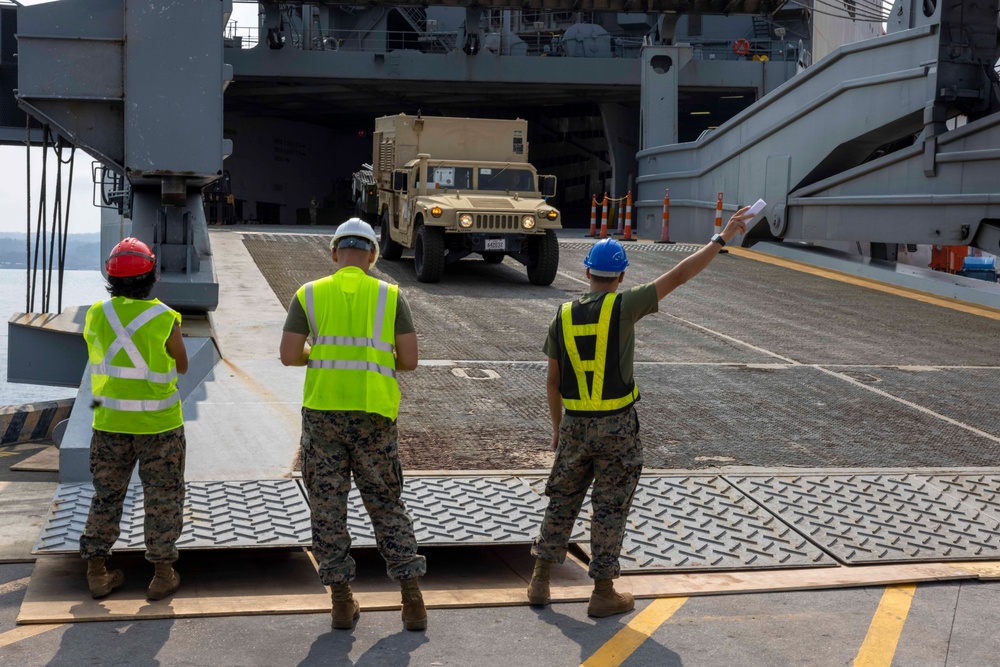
x: 130, y: 258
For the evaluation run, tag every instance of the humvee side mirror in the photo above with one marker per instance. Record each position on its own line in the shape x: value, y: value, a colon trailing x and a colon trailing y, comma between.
x: 399, y: 181
x: 548, y: 188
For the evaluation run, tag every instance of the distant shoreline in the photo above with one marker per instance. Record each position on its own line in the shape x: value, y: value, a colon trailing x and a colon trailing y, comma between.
x: 83, y: 251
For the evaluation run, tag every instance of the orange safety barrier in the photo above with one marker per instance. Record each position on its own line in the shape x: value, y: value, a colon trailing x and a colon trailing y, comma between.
x: 593, y: 217
x: 605, y: 205
x: 621, y: 216
x: 718, y: 218
x: 718, y: 214
x: 628, y: 218
x: 665, y: 232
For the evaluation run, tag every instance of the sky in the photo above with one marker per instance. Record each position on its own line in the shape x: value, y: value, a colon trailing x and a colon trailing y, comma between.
x: 83, y: 216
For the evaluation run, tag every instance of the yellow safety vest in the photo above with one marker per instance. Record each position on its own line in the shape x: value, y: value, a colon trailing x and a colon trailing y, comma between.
x: 352, y: 319
x: 606, y: 391
x: 132, y: 376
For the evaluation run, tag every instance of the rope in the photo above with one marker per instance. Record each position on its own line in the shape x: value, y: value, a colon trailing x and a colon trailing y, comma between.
x: 51, y: 245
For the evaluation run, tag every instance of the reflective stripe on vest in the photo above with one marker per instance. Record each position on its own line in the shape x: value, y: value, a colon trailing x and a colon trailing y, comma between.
x: 352, y: 341
x: 353, y: 366
x: 126, y: 405
x: 592, y: 399
x: 123, y: 339
x: 351, y: 363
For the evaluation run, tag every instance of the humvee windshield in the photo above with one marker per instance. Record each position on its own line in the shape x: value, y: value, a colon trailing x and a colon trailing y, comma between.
x: 449, y: 177
x: 492, y: 179
x: 503, y: 179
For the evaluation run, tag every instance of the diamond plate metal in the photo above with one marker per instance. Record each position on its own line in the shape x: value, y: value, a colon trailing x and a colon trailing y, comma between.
x: 459, y: 510
x: 981, y: 491
x: 270, y: 513
x: 878, y: 518
x: 703, y: 524
x: 637, y: 247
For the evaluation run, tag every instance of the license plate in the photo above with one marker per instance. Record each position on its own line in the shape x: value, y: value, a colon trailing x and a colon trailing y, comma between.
x: 496, y: 244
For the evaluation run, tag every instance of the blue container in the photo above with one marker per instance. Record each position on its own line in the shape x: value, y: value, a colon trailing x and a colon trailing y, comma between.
x: 980, y: 268
x: 979, y: 264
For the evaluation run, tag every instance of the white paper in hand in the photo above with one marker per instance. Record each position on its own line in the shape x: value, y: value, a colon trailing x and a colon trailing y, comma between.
x: 757, y: 207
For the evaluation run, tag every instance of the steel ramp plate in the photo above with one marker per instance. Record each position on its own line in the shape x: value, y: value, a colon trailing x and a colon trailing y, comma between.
x: 686, y: 523
x: 459, y: 510
x: 637, y: 247
x: 882, y: 518
x: 270, y: 513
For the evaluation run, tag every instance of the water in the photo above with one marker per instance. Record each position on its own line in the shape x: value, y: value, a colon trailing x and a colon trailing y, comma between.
x: 79, y: 288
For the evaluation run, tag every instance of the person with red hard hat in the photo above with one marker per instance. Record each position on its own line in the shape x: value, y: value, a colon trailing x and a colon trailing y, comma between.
x: 136, y: 351
x: 591, y: 394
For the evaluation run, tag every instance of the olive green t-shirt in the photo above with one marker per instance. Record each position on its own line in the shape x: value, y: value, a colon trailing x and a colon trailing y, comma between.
x: 297, y: 322
x: 637, y: 302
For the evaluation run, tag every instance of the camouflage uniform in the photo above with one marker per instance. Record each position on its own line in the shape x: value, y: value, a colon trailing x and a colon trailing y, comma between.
x: 334, y: 445
x: 607, y: 451
x: 161, y: 469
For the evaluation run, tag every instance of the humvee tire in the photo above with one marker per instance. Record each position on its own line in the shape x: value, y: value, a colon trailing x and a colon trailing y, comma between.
x: 545, y: 252
x: 389, y: 249
x: 428, y: 254
x: 493, y: 257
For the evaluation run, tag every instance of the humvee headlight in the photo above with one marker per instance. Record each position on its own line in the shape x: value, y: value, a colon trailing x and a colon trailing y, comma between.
x: 436, y: 211
x: 528, y: 222
x: 465, y: 220
x: 552, y: 214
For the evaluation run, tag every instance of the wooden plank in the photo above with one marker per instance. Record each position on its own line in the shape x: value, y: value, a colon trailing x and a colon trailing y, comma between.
x: 755, y: 581
x: 23, y: 508
x: 247, y: 582
x: 46, y: 460
x: 213, y: 583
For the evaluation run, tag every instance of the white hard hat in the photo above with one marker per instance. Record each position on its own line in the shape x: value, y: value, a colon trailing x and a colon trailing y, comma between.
x: 351, y: 231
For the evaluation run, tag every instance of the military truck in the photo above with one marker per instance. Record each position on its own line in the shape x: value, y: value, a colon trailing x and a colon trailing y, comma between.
x: 364, y: 194
x: 452, y: 187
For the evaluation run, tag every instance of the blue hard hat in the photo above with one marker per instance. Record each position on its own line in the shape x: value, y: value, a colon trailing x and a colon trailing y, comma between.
x: 607, y: 258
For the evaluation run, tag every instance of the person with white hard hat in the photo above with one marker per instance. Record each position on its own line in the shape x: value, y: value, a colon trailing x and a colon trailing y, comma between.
x: 591, y: 395
x: 353, y: 333
x: 136, y: 351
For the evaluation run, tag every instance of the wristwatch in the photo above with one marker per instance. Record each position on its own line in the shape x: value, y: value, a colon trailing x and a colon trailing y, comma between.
x: 717, y: 238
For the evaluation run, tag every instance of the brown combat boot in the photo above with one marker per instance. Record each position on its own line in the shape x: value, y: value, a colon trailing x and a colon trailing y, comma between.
x: 538, y: 589
x: 165, y: 582
x: 99, y: 580
x: 346, y: 610
x: 414, y: 612
x: 606, y: 601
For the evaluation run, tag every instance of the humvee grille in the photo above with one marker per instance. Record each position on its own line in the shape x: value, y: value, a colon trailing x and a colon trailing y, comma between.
x: 496, y: 221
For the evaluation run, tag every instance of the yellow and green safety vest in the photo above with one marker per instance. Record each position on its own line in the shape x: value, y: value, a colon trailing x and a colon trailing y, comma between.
x: 133, y: 379
x: 352, y: 319
x: 591, y: 381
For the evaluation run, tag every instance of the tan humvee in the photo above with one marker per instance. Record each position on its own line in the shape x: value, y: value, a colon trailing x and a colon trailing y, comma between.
x: 451, y: 187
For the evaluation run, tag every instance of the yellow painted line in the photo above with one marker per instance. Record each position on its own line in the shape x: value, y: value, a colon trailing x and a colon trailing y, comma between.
x: 879, y: 646
x: 9, y: 453
x: 15, y: 585
x: 24, y: 632
x: 953, y: 304
x: 632, y: 636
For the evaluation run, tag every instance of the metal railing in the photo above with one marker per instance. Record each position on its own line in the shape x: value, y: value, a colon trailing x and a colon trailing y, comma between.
x: 538, y: 44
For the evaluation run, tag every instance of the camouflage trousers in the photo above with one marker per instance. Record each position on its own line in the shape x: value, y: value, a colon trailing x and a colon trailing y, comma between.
x: 161, y: 469
x: 608, y: 452
x: 335, y: 445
